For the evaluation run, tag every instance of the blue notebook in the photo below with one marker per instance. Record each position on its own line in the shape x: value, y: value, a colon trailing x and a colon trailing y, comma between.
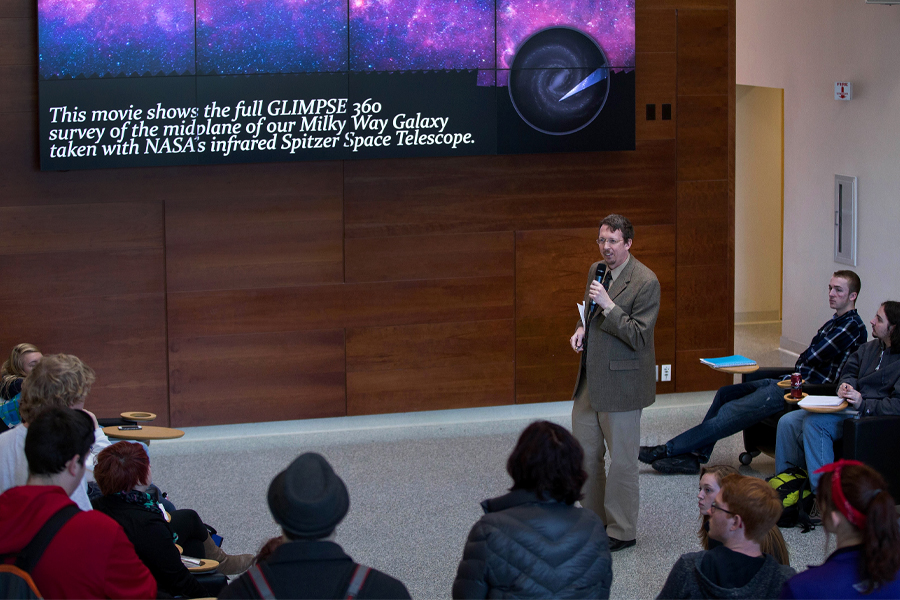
x: 729, y: 361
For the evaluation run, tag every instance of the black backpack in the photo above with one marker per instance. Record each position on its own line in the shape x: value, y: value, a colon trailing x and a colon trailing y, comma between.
x: 797, y: 499
x: 15, y: 579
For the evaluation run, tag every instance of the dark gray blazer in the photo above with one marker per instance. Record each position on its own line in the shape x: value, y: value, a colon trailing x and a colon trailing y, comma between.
x: 620, y: 361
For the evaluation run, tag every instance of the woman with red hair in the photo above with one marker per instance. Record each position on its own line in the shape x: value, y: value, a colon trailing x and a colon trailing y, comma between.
x: 123, y: 474
x: 858, y: 510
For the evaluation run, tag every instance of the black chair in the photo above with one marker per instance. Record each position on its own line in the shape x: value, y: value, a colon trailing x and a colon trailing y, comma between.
x: 875, y: 441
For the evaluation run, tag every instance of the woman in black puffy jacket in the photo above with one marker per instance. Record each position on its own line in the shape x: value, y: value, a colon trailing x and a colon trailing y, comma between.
x: 532, y: 542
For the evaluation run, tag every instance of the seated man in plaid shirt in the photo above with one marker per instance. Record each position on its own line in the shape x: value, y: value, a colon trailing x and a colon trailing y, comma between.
x: 736, y: 407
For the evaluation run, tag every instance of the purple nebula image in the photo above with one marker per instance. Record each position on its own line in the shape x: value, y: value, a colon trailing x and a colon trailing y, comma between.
x: 115, y: 37
x: 271, y: 36
x: 397, y: 35
x: 609, y: 22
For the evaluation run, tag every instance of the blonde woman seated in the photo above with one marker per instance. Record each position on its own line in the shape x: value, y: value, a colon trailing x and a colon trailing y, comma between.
x: 21, y: 361
x: 710, y: 483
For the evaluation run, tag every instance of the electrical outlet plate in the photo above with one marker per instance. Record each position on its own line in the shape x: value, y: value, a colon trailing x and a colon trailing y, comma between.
x: 667, y: 372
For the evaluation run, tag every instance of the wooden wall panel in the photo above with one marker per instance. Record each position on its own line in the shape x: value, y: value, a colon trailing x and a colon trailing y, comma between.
x: 257, y: 377
x: 656, y: 72
x: 80, y: 274
x: 122, y: 338
x: 546, y: 366
x: 403, y: 258
x: 684, y: 4
x: 656, y: 248
x: 428, y: 367
x: 705, y: 132
x: 703, y: 52
x: 655, y: 84
x: 654, y: 30
x: 88, y: 280
x: 18, y: 38
x: 78, y: 228
x: 219, y: 245
x: 702, y: 223
x: 327, y: 307
x: 17, y: 9
x: 18, y: 88
x: 702, y: 138
x: 702, y: 322
x: 507, y: 193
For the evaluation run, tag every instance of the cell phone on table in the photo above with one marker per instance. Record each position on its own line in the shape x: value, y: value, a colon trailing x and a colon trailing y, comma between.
x: 129, y: 427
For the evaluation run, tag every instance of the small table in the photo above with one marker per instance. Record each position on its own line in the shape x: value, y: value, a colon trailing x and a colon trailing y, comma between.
x: 144, y: 434
x: 735, y: 370
x: 788, y: 398
x: 206, y: 565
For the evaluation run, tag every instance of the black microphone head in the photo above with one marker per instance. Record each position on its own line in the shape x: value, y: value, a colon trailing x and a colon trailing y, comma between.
x: 601, y: 271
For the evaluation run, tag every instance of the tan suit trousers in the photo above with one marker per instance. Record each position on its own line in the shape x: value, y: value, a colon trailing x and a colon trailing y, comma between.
x: 614, y: 497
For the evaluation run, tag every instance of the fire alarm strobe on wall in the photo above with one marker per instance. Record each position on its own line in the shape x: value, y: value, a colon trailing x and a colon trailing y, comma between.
x: 843, y: 90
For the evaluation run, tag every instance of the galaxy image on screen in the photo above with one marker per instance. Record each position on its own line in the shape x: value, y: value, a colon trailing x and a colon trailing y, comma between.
x: 133, y: 83
x: 111, y: 38
x: 116, y: 38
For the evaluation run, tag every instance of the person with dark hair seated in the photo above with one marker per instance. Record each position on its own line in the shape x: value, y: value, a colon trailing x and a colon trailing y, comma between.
x: 858, y: 510
x: 308, y: 500
x: 869, y: 382
x: 123, y: 474
x: 89, y: 556
x: 567, y: 553
x: 744, y: 510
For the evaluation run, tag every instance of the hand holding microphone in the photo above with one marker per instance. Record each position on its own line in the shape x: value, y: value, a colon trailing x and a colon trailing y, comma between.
x: 597, y: 293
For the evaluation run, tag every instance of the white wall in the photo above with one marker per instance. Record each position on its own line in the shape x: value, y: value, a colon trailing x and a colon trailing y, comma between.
x: 804, y: 46
x: 757, y: 204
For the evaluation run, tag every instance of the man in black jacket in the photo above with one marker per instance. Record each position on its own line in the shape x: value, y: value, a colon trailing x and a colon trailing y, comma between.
x: 308, y: 500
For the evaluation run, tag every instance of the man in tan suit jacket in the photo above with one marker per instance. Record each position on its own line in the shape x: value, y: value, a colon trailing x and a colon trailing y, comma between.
x: 617, y: 378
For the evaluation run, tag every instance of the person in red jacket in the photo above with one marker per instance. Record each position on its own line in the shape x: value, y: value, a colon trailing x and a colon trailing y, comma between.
x: 90, y: 556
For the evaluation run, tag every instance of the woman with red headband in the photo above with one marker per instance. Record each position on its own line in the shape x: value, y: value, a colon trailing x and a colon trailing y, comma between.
x: 858, y: 510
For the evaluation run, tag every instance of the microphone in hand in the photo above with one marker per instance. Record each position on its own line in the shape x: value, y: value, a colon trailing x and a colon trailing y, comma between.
x: 601, y: 272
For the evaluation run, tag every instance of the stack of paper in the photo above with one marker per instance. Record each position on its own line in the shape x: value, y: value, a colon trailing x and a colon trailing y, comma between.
x: 821, y: 401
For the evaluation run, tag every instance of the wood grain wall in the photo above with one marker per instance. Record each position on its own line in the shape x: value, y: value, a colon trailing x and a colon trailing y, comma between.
x: 229, y: 294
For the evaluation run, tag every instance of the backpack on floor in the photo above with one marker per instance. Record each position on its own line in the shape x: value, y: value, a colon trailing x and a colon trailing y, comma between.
x: 15, y: 579
x: 797, y: 499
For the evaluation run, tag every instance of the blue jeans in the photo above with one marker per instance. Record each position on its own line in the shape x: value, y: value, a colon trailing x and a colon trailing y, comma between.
x: 806, y: 440
x: 734, y: 408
